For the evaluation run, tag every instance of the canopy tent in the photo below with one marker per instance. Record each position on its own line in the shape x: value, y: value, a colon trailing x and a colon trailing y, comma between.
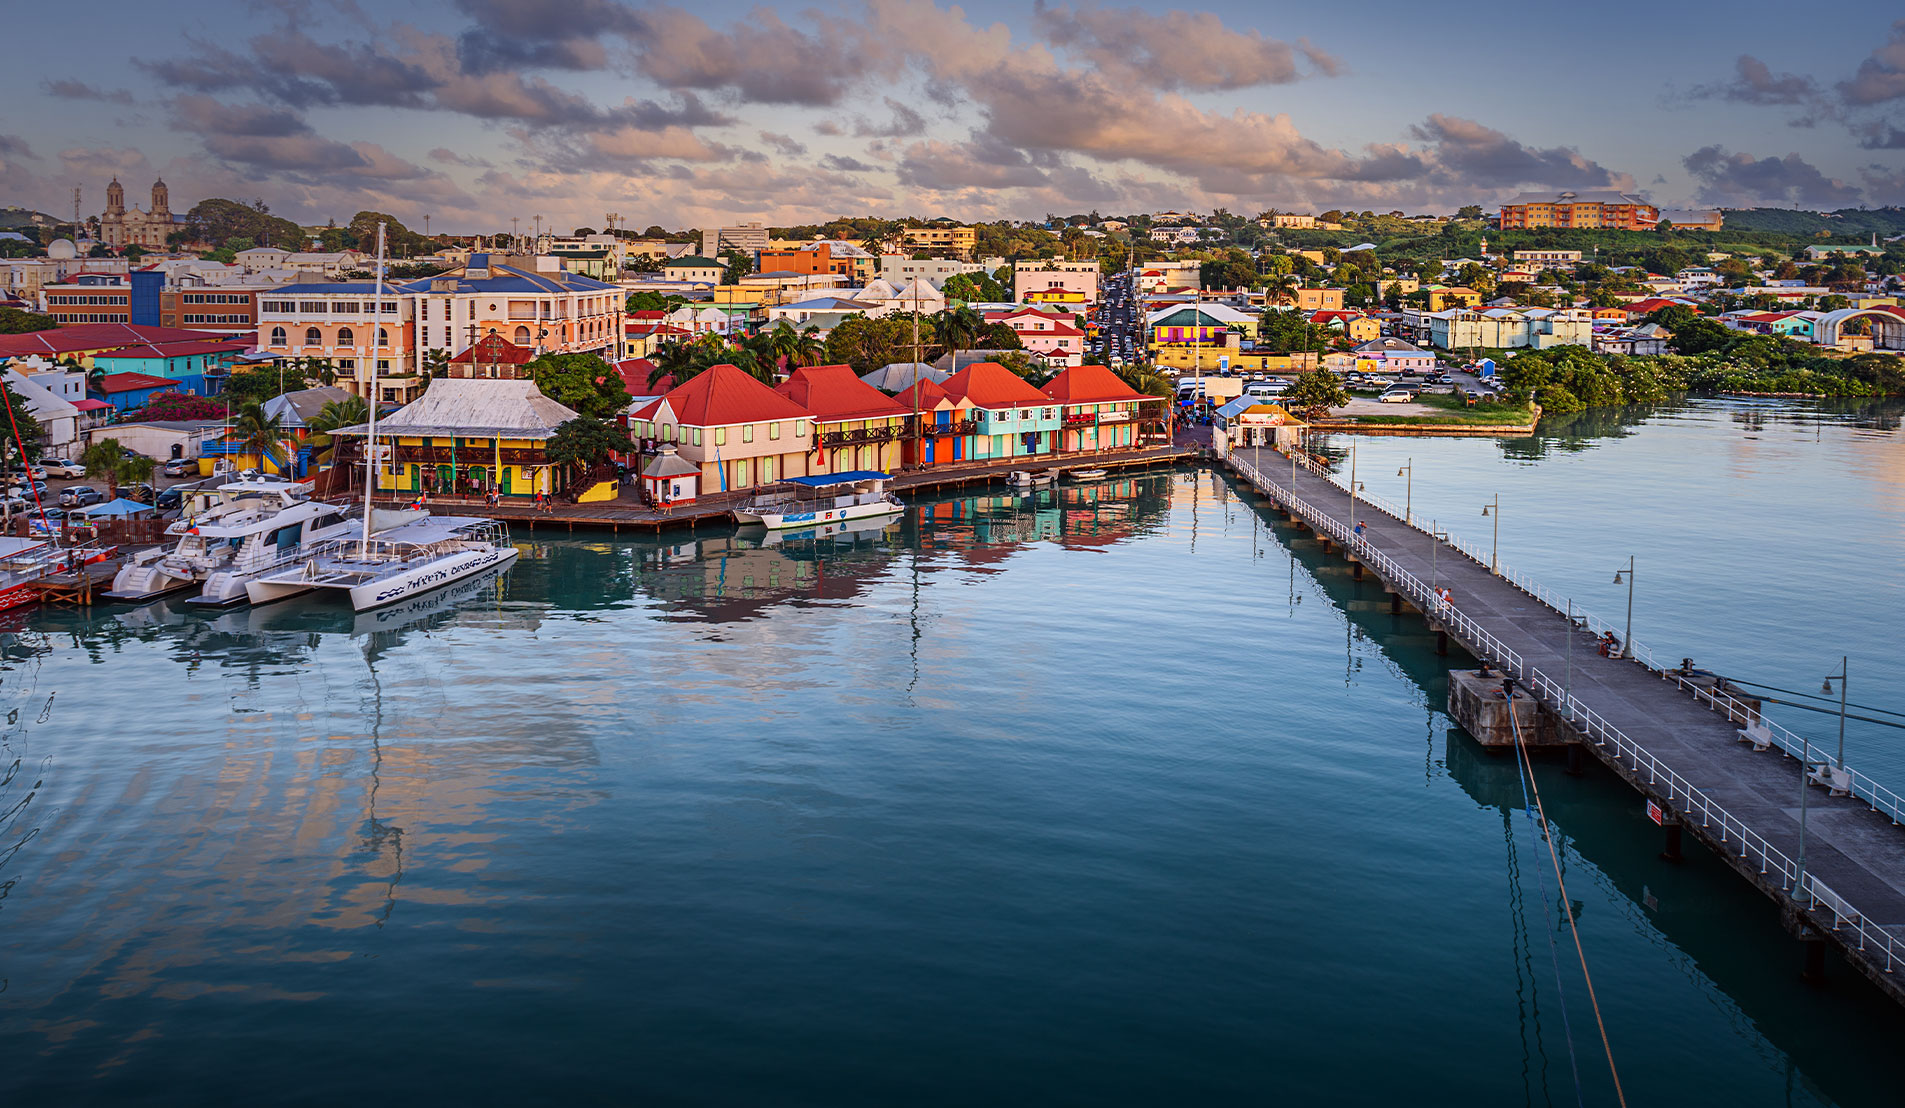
x: 901, y: 375
x: 115, y: 509
x: 822, y: 480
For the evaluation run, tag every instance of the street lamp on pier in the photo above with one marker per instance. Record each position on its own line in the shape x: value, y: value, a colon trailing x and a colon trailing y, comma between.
x: 1409, y: 492
x: 1494, y: 508
x: 1826, y: 687
x: 1627, y: 646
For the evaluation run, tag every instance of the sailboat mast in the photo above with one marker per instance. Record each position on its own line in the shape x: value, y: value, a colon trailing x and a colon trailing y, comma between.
x: 370, y: 439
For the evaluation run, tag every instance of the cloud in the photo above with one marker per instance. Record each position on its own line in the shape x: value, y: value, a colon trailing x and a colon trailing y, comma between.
x: 68, y: 89
x: 1465, y: 150
x: 1754, y: 82
x: 905, y: 123
x: 1880, y: 77
x: 1176, y: 50
x: 1743, y: 181
x: 13, y: 146
x: 205, y: 116
x: 1881, y: 135
x: 443, y: 155
x: 762, y: 60
x: 842, y: 164
x: 1883, y: 185
x: 783, y: 144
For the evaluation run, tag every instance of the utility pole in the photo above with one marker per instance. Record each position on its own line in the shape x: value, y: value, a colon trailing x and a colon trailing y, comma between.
x: 515, y: 233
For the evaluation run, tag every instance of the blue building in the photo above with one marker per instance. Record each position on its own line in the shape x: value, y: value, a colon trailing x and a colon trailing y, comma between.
x: 191, y: 367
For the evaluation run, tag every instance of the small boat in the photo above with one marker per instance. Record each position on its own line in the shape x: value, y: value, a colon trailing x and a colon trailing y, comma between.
x: 25, y: 561
x: 1027, y: 478
x: 822, y: 498
x: 1085, y: 475
x: 397, y: 564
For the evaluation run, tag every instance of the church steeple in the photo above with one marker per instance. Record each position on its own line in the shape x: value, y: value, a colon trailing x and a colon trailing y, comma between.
x: 115, y: 197
x: 161, y: 199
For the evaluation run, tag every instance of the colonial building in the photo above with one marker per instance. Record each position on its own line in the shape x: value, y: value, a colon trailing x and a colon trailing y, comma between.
x: 119, y: 226
x: 467, y: 437
x: 1604, y: 208
x: 1014, y: 419
x: 738, y: 432
x: 1098, y: 411
x: 856, y: 426
x: 1054, y: 273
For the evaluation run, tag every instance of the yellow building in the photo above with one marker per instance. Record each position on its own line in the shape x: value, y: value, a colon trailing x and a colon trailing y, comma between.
x: 1186, y: 359
x: 467, y: 436
x: 1453, y: 296
x: 959, y: 241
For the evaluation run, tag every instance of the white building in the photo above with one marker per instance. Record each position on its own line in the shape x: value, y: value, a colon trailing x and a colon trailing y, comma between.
x: 1030, y: 278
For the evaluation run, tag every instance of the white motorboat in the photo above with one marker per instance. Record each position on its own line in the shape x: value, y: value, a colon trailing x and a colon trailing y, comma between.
x: 1085, y: 474
x: 822, y: 499
x: 1028, y: 478
x: 240, y: 526
x: 395, y: 565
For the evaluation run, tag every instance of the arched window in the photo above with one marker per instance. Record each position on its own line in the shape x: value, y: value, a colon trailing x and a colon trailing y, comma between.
x: 312, y: 337
x: 344, y: 336
x: 383, y: 337
x: 522, y: 336
x: 277, y: 336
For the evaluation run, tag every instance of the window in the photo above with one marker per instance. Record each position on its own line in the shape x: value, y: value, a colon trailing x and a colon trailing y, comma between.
x: 1002, y: 417
x: 522, y: 336
x: 383, y: 336
x: 800, y: 428
x: 747, y: 432
x: 774, y: 430
x: 1046, y: 414
x: 277, y: 306
x: 720, y: 436
x: 347, y: 363
x: 277, y: 336
x: 344, y: 336
x: 697, y: 436
x: 1026, y: 414
x: 383, y: 363
x: 312, y: 337
x: 346, y: 307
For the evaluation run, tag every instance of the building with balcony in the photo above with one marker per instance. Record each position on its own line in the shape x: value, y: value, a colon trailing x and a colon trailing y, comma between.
x: 1039, y: 275
x: 943, y: 238
x: 1510, y: 328
x: 738, y: 432
x: 1051, y: 336
x: 748, y: 238
x: 946, y: 425
x: 1013, y: 419
x: 466, y: 438
x: 1604, y: 208
x: 856, y: 426
x: 1097, y: 410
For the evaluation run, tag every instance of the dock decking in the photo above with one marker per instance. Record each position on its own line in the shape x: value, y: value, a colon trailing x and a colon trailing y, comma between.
x: 1678, y: 746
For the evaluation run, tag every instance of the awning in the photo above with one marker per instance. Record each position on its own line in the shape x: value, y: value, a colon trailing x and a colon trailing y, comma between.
x: 822, y: 480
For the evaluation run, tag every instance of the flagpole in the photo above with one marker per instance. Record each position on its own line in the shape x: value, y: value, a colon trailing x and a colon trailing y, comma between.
x: 370, y: 439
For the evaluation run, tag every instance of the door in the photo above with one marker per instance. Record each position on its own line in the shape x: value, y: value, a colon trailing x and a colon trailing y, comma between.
x: 506, y: 480
x: 446, y: 477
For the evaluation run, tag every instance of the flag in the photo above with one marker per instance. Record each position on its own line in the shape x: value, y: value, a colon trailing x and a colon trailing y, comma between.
x: 720, y: 469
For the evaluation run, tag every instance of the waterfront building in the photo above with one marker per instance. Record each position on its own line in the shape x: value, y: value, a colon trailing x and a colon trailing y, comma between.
x: 468, y: 436
x: 738, y: 432
x: 1013, y: 418
x: 1393, y: 355
x: 1510, y: 328
x: 856, y: 426
x: 945, y: 424
x: 1097, y: 410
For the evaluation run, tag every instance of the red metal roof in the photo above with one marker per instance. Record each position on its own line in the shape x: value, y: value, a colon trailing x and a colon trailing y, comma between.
x: 1090, y: 383
x: 724, y: 395
x: 90, y: 405
x: 96, y: 336
x: 169, y: 350
x: 931, y: 396
x: 635, y: 373
x: 494, y: 350
x: 835, y: 392
x: 132, y: 382
x: 991, y: 385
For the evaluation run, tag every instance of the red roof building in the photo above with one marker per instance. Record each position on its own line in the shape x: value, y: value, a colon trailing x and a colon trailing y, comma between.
x: 991, y: 385
x: 856, y: 425
x: 740, y: 432
x: 493, y: 357
x: 83, y: 340
x: 1100, y: 411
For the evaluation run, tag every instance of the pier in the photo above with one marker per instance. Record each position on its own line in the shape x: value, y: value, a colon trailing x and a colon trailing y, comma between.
x: 1710, y: 765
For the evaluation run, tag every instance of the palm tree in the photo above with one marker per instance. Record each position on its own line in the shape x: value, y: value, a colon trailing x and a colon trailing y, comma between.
x: 959, y: 328
x: 1283, y: 288
x: 109, y: 462
x: 347, y: 412
x: 257, y: 432
x: 809, y: 347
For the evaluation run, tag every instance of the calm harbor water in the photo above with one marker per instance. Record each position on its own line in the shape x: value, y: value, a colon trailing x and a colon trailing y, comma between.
x: 1108, y: 795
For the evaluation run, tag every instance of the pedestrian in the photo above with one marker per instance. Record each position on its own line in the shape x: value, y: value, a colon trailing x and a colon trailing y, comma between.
x: 1360, y: 525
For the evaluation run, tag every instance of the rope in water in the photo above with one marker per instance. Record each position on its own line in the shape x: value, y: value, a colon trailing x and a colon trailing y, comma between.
x: 1521, y: 747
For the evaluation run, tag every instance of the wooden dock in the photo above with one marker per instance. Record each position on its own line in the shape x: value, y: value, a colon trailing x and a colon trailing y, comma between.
x: 717, y: 509
x: 79, y: 588
x: 1675, y: 742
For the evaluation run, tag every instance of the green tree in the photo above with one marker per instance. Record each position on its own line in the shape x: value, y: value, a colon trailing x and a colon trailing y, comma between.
x: 581, y: 382
x: 436, y: 362
x: 739, y: 266
x: 217, y: 222
x: 107, y: 461
x: 258, y: 433
x: 13, y: 321
x: 348, y: 412
x: 1469, y: 211
x: 583, y: 443
x: 29, y: 431
x: 1316, y: 390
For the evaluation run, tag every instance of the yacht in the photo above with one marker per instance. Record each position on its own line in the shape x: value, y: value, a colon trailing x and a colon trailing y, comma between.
x: 822, y: 498
x: 393, y: 564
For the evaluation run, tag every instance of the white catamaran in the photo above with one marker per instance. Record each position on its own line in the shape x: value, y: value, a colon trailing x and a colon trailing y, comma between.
x: 394, y: 564
x: 822, y: 499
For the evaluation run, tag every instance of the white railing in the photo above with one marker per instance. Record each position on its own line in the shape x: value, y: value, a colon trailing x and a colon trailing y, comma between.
x: 1689, y: 801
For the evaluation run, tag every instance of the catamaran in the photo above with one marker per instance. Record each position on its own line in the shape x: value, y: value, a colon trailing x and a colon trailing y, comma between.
x: 383, y: 567
x: 239, y: 531
x: 821, y: 499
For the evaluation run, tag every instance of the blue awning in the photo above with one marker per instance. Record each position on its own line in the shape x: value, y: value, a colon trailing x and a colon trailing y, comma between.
x: 821, y: 480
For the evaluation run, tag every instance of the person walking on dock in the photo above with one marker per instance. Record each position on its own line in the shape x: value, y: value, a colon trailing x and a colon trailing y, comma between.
x: 1360, y: 525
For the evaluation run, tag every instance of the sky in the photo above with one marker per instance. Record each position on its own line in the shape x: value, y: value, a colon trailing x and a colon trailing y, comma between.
x: 474, y: 112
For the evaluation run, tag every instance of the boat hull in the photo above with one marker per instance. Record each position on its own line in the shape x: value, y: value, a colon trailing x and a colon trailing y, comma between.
x: 775, y: 521
x: 429, y: 576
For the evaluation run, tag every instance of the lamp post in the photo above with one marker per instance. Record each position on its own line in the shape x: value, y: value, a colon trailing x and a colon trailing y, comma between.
x: 1352, y: 485
x: 1409, y: 492
x: 1627, y: 646
x: 1494, y: 508
x: 1826, y: 686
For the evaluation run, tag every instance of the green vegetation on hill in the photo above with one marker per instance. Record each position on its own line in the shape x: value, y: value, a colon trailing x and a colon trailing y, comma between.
x: 1846, y: 223
x: 222, y: 222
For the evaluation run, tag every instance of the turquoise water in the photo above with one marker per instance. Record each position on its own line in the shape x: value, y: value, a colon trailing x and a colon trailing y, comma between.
x: 1114, y: 795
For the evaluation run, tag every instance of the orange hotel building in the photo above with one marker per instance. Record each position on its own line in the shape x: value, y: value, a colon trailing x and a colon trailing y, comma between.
x: 1617, y: 210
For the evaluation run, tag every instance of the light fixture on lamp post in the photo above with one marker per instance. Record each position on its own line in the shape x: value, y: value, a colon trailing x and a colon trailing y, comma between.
x: 1409, y: 491
x: 1627, y: 646
x: 1494, y: 508
x: 1826, y: 687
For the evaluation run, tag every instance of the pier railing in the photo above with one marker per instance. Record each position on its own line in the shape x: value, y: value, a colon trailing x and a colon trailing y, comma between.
x: 1689, y: 802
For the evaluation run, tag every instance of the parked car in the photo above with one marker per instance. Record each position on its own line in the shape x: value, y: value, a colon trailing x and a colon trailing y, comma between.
x: 1399, y: 395
x: 170, y: 500
x: 79, y: 496
x: 28, y: 490
x: 180, y: 467
x: 141, y: 492
x: 62, y: 467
